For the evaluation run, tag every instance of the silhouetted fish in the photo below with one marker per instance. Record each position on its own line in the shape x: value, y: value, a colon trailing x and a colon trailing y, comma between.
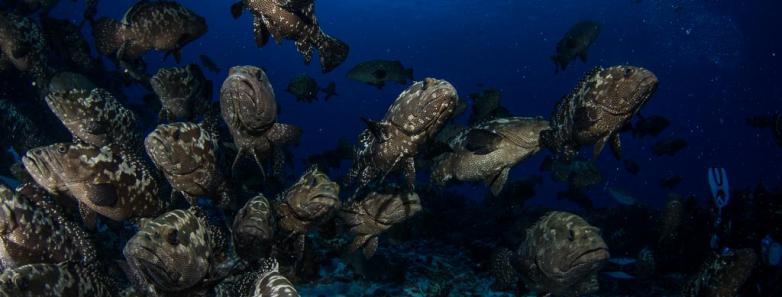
x: 575, y: 43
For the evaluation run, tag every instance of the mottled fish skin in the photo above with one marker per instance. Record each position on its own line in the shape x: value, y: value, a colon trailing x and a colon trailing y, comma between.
x: 18, y: 129
x: 602, y: 103
x: 66, y: 39
x: 23, y: 45
x: 148, y: 25
x: 313, y: 199
x: 575, y: 43
x: 186, y: 153
x: 375, y: 214
x: 184, y: 92
x: 295, y: 20
x: 561, y: 255
x: 104, y: 180
x: 253, y: 229
x: 30, y: 234
x: 248, y: 106
x: 415, y: 117
x: 175, y: 252
x: 57, y: 280
x: 487, y: 151
x: 95, y: 117
x: 265, y: 282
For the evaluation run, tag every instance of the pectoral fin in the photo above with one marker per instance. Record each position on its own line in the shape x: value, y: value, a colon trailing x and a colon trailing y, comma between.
x: 599, y: 145
x: 482, y: 142
x: 497, y: 182
x: 616, y: 146
x: 99, y: 194
x: 261, y: 32
x: 371, y: 247
x: 358, y: 242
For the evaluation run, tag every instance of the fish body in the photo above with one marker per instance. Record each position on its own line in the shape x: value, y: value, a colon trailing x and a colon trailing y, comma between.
x: 187, y: 154
x: 148, y: 25
x: 33, y: 232
x: 23, y: 45
x: 576, y: 43
x: 313, y: 199
x: 253, y: 228
x: 95, y: 117
x: 375, y: 214
x: 487, y: 151
x: 184, y: 92
x: 18, y: 130
x: 294, y: 20
x: 304, y: 87
x: 577, y: 173
x: 175, y: 252
x: 393, y: 142
x: 66, y: 39
x: 378, y: 72
x: 249, y: 107
x: 57, y: 280
x: 669, y: 146
x: 561, y: 255
x: 264, y: 282
x: 602, y: 103
x: 104, y: 180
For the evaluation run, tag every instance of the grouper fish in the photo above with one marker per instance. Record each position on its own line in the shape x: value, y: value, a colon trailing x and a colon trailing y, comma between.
x: 575, y: 43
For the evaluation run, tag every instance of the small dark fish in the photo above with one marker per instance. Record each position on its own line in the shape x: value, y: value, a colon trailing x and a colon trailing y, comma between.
x: 575, y: 43
x: 486, y: 106
x: 375, y: 214
x: 23, y: 45
x: 487, y: 151
x: 306, y: 89
x: 412, y: 120
x: 649, y: 126
x: 594, y: 112
x: 670, y: 182
x: 249, y: 107
x: 65, y: 39
x: 632, y: 167
x: 57, y: 280
x: 104, y: 180
x: 378, y: 72
x: 561, y: 255
x: 177, y: 251
x: 330, y: 90
x: 148, y: 25
x: 293, y: 20
x: 208, y: 63
x: 578, y: 173
x: 184, y: 92
x: 669, y: 146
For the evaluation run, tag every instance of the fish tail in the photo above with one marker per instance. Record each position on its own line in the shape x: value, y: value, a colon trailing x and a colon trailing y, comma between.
x: 332, y: 53
x: 107, y: 35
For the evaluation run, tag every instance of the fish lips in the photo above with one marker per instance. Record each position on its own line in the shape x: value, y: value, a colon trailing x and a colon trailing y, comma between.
x: 41, y: 172
x: 143, y: 259
x: 590, y: 260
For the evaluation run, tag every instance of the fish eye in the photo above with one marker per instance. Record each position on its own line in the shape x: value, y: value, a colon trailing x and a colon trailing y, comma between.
x: 173, y: 237
x: 571, y: 235
x: 628, y: 72
x: 62, y: 149
x: 312, y: 182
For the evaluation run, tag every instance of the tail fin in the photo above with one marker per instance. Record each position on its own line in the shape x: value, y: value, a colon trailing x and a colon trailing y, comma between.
x: 106, y: 33
x: 332, y: 53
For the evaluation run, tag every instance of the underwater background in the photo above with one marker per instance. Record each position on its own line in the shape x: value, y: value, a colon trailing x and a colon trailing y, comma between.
x: 718, y: 63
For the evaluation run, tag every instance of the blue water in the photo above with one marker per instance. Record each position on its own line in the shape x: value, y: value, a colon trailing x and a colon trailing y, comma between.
x: 717, y: 63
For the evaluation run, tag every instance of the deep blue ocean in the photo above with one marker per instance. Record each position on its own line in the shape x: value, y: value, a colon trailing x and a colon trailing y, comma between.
x: 718, y: 62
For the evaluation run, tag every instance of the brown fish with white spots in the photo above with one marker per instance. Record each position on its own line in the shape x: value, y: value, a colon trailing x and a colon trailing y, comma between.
x: 312, y: 200
x: 264, y: 282
x: 596, y: 110
x: 177, y: 252
x: 148, y: 25
x: 253, y: 229
x: 184, y: 92
x: 104, y: 180
x: 375, y: 214
x: 487, y: 151
x: 249, y: 107
x: 23, y: 45
x: 293, y: 20
x: 561, y: 255
x: 187, y: 154
x: 95, y: 117
x: 393, y: 142
x: 69, y: 279
x: 34, y: 233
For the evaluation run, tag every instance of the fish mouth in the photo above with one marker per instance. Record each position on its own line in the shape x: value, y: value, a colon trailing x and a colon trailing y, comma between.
x: 39, y: 170
x: 157, y: 273
x: 589, y: 257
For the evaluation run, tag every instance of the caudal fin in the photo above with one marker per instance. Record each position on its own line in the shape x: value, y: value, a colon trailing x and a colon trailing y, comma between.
x: 332, y: 53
